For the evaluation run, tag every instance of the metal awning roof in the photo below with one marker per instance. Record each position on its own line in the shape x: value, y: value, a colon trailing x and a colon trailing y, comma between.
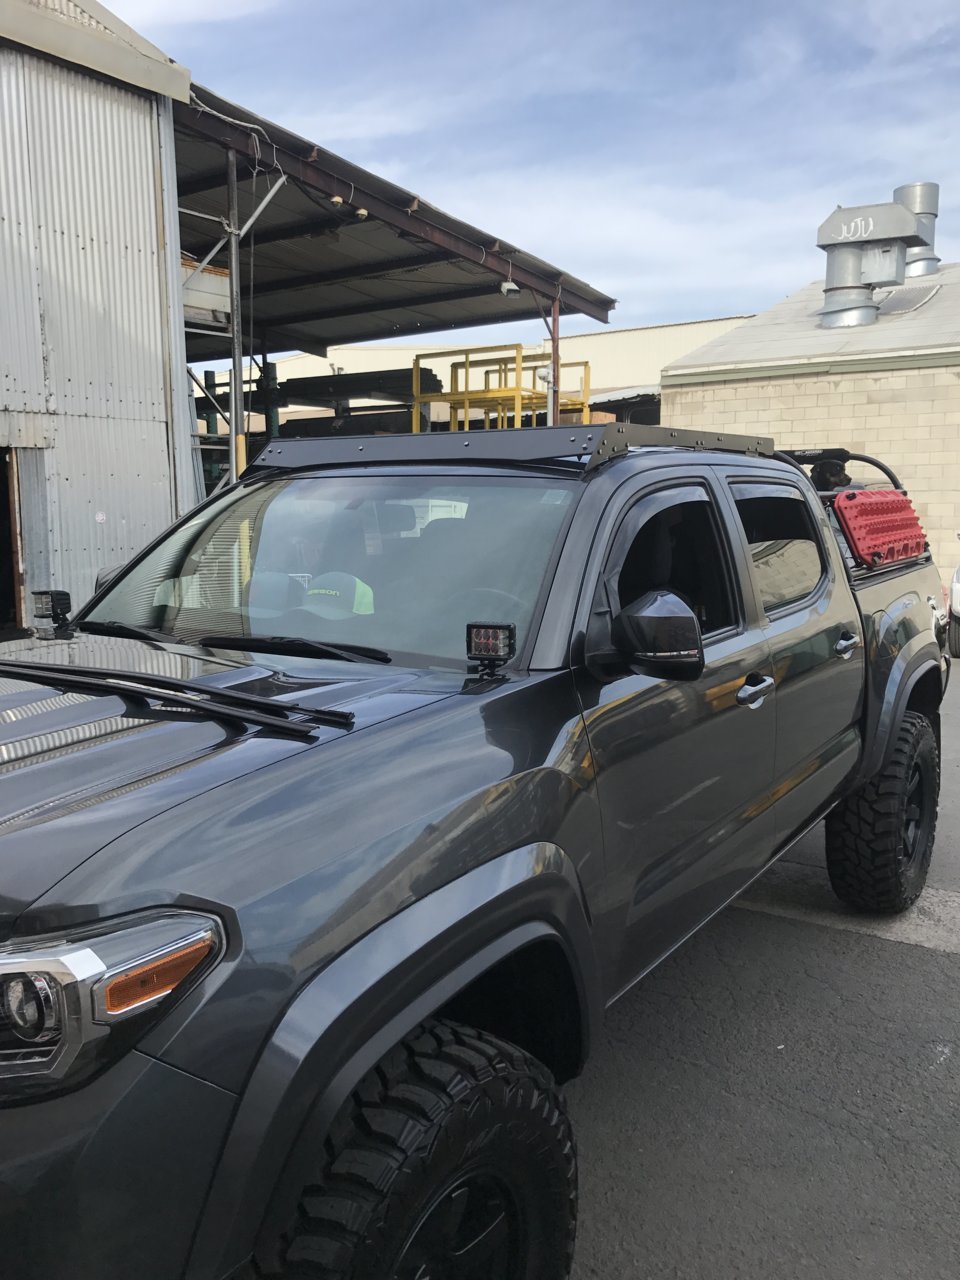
x: 624, y: 393
x: 341, y: 255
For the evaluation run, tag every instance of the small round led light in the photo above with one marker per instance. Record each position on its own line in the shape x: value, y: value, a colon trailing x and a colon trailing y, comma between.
x: 31, y: 1007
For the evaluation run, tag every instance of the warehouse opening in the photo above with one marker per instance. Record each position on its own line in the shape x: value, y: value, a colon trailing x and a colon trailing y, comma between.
x: 8, y: 549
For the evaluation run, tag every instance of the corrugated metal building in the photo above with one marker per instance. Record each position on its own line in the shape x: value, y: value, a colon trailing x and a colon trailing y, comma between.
x: 95, y: 432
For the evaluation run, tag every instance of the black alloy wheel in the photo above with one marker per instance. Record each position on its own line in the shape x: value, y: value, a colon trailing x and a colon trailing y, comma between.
x: 916, y: 815
x: 470, y: 1232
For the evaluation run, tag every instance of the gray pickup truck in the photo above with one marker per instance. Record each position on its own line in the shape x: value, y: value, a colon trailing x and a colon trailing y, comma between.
x: 331, y: 825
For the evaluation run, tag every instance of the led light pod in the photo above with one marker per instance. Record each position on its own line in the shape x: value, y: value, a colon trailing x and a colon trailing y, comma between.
x: 491, y: 643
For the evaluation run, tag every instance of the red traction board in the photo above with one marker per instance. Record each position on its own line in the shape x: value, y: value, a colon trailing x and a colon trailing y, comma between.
x: 881, y: 525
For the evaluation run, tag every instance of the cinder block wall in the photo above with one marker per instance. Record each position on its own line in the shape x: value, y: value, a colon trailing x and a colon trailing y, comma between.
x: 910, y: 418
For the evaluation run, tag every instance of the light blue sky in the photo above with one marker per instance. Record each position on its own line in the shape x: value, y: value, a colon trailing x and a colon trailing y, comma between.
x: 678, y: 156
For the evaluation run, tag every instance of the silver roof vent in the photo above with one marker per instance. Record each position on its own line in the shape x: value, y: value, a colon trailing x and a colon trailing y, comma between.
x: 866, y: 249
x: 923, y: 199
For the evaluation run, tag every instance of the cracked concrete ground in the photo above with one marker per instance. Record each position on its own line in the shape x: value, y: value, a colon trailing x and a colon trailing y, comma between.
x: 781, y: 1098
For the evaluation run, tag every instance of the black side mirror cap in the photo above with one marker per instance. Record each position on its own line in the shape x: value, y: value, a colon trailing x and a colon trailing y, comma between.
x: 659, y: 634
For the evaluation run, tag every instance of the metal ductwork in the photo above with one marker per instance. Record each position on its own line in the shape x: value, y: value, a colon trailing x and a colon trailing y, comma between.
x: 868, y: 247
x: 923, y: 199
x: 846, y: 299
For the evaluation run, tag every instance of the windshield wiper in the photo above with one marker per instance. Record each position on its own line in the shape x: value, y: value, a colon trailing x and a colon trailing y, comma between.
x: 226, y: 704
x: 126, y: 631
x: 296, y: 646
x: 255, y: 644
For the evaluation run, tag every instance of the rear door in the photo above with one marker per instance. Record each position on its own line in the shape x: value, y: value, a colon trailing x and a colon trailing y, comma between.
x: 684, y: 768
x: 814, y: 630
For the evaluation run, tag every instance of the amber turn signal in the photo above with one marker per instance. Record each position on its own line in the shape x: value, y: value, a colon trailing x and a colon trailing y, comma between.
x: 155, y: 978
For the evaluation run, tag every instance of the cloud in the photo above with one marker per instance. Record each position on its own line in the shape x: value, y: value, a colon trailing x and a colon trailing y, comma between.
x: 679, y: 157
x: 721, y: 218
x: 670, y: 252
x: 460, y: 74
x: 886, y: 28
x: 362, y: 118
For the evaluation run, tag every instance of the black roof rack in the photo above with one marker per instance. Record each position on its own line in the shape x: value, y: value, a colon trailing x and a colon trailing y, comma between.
x: 810, y: 457
x: 591, y: 446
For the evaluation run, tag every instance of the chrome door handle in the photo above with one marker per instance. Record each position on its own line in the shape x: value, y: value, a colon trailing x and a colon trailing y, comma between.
x: 846, y: 644
x: 751, y: 694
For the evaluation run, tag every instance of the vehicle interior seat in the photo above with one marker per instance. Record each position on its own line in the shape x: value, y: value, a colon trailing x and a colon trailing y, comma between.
x: 648, y: 564
x: 344, y: 545
x: 676, y: 550
x: 271, y: 593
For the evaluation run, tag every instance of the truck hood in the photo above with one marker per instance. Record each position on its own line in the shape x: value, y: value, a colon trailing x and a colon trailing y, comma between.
x: 78, y: 770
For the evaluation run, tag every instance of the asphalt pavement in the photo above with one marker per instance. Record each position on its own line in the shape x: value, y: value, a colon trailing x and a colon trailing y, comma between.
x: 780, y: 1099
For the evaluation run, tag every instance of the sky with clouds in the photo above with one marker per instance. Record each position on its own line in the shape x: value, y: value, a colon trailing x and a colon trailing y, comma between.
x: 678, y: 156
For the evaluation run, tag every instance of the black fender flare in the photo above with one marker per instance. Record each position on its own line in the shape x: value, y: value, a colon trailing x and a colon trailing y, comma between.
x: 340, y: 1025
x: 912, y: 663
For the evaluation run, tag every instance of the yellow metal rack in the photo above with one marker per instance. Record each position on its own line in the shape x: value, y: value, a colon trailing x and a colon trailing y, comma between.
x: 503, y: 385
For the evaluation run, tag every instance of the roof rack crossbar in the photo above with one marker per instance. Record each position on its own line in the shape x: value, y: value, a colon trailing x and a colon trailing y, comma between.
x: 592, y: 445
x: 810, y: 456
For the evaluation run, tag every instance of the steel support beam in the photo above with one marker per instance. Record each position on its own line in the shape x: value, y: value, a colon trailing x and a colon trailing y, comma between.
x: 211, y: 180
x: 374, y: 305
x: 344, y: 337
x: 298, y: 230
x: 236, y: 319
x: 210, y: 392
x: 209, y: 389
x: 231, y: 229
x: 295, y: 231
x: 312, y: 175
x: 555, y: 365
x: 347, y: 275
x: 270, y: 396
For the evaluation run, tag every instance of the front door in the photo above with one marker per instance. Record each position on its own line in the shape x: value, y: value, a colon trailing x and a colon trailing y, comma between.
x: 684, y: 768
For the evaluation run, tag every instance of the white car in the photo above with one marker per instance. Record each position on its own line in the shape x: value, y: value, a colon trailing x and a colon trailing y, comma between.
x: 953, y: 636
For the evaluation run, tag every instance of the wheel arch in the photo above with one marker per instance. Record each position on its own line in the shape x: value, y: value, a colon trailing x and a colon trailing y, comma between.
x: 445, y: 954
x: 539, y: 982
x: 925, y: 696
x: 915, y: 683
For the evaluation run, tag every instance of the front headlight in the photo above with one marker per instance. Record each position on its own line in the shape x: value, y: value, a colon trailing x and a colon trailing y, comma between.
x: 62, y: 998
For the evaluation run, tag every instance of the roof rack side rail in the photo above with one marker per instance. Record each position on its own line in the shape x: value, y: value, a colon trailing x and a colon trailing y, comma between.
x: 618, y: 437
x: 810, y: 456
x: 579, y: 445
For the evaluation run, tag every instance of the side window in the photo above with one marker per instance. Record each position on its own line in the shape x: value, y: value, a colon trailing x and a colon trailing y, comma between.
x: 678, y: 549
x: 787, y: 560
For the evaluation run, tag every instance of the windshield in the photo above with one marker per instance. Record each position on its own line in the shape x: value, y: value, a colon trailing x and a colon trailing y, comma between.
x: 400, y: 563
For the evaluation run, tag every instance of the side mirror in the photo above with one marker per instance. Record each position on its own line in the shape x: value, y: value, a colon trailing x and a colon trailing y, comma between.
x: 661, y: 635
x: 105, y: 577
